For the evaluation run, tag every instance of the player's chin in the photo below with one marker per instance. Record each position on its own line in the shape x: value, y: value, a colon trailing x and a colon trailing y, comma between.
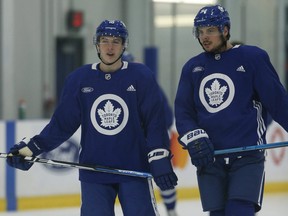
x: 207, y: 49
x: 211, y: 49
x: 109, y: 59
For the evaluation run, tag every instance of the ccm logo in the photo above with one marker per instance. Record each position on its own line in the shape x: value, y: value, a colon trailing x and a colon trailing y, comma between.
x: 159, y: 153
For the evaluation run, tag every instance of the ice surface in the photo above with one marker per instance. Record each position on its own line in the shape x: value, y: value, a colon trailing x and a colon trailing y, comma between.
x: 274, y: 204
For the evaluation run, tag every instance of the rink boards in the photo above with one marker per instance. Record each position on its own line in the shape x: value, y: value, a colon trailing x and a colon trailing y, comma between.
x: 48, y: 187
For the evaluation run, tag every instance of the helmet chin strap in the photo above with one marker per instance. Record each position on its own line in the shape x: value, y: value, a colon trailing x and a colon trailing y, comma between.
x: 99, y: 56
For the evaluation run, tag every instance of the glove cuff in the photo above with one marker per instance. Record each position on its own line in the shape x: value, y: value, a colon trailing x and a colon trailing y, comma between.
x: 33, y: 146
x: 191, y: 136
x: 161, y: 167
x: 157, y: 154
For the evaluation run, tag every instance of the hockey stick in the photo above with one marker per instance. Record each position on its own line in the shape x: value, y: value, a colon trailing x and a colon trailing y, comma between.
x: 83, y: 166
x: 251, y: 148
x: 136, y: 173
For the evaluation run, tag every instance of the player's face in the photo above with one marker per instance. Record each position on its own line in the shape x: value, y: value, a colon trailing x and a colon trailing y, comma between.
x: 110, y: 48
x: 211, y: 39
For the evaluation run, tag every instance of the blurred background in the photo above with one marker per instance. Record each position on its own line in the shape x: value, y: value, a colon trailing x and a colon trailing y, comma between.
x: 44, y: 40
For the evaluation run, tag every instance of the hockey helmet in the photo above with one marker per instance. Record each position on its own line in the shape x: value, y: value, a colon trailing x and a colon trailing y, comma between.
x: 215, y: 15
x: 115, y: 28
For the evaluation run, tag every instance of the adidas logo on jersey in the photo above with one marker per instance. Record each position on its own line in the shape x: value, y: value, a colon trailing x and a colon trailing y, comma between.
x: 241, y: 69
x: 131, y: 88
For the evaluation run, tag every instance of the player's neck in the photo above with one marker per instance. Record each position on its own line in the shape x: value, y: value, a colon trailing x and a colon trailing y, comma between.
x: 222, y: 48
x: 110, y: 68
x: 229, y: 46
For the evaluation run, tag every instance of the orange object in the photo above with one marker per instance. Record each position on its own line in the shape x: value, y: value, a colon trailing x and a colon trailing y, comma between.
x: 181, y: 156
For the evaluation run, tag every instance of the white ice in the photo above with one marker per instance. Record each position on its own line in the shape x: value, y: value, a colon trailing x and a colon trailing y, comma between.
x: 273, y: 205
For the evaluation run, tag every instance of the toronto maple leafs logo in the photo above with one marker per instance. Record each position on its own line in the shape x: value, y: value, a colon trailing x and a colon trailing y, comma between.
x: 216, y: 92
x: 109, y: 114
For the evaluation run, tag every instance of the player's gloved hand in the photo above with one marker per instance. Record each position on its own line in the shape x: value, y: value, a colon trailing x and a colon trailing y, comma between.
x: 161, y: 169
x: 199, y: 146
x: 23, y: 148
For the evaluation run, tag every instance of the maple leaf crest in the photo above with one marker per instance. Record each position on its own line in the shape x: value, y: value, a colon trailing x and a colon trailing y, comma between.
x: 215, y: 93
x: 109, y: 116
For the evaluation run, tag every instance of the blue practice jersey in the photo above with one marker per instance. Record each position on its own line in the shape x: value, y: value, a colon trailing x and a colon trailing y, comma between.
x: 229, y: 96
x: 169, y: 117
x: 121, y: 115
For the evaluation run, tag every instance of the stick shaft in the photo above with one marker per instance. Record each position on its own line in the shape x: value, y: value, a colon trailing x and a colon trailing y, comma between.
x: 136, y: 173
x: 251, y: 148
x: 83, y: 166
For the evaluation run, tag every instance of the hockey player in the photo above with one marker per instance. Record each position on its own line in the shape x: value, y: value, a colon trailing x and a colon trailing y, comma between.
x: 222, y: 101
x: 168, y: 196
x: 118, y: 106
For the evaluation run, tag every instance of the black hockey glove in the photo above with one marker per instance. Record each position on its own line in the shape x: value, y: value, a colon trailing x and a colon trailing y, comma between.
x: 23, y: 148
x: 199, y: 146
x: 161, y: 169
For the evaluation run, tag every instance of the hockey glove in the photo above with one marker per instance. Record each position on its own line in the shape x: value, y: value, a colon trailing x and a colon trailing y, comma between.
x: 161, y: 169
x: 199, y: 146
x: 23, y: 148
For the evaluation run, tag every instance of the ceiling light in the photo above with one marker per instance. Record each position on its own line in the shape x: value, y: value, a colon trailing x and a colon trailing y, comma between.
x: 188, y: 1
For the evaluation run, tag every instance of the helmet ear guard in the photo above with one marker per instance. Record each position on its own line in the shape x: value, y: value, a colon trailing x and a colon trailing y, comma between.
x: 215, y: 15
x: 112, y: 28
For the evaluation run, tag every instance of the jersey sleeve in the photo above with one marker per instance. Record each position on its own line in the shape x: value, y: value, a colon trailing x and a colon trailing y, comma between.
x: 269, y: 89
x: 169, y: 117
x: 64, y: 121
x: 185, y: 114
x: 152, y: 113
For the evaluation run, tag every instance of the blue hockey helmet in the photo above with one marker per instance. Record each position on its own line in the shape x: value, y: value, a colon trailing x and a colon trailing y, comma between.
x: 214, y: 15
x: 115, y: 28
